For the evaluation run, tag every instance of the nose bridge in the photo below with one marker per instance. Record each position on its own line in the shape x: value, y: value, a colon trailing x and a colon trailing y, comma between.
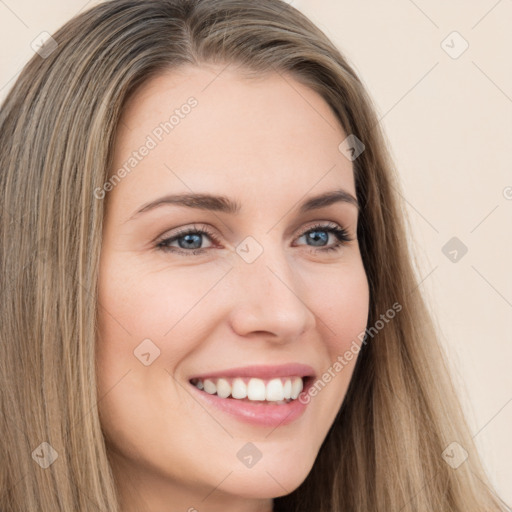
x: 268, y: 298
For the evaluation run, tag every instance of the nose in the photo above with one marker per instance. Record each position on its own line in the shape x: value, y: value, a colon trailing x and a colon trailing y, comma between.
x: 268, y: 299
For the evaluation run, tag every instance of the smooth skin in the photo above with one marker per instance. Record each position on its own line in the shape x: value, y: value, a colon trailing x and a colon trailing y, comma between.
x: 268, y: 143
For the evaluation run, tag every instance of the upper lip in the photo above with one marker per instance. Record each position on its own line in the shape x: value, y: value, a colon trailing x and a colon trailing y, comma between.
x: 262, y: 371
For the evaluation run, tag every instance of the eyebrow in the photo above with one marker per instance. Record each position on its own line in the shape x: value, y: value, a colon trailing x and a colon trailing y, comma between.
x: 224, y: 204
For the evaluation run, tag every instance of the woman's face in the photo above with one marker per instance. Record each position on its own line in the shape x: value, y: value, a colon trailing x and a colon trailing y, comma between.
x: 190, y: 288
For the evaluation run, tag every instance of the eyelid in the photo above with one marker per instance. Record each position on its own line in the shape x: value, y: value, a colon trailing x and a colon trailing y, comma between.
x: 326, y: 225
x: 338, y: 230
x: 192, y: 228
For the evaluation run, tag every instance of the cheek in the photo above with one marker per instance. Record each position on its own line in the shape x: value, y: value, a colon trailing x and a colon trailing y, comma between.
x: 156, y: 312
x: 342, y: 315
x: 342, y: 306
x: 149, y: 304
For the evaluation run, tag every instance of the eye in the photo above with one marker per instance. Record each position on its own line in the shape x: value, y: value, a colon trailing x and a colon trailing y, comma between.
x: 319, y: 236
x: 189, y: 241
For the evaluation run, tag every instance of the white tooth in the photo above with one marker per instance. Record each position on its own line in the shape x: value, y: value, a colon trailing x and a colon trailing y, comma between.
x: 274, y: 390
x: 296, y: 387
x: 256, y: 389
x: 223, y: 388
x: 239, y: 389
x: 287, y: 389
x: 199, y: 384
x: 210, y: 387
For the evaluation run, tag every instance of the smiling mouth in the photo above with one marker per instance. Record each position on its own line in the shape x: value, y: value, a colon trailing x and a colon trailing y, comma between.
x: 278, y: 391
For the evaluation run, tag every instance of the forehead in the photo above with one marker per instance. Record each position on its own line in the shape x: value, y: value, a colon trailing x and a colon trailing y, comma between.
x: 215, y: 127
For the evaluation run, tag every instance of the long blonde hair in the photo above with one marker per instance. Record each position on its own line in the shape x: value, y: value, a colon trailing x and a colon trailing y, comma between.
x: 384, y: 451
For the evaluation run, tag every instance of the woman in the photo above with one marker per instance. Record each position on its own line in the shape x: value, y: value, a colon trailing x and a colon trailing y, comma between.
x: 209, y: 302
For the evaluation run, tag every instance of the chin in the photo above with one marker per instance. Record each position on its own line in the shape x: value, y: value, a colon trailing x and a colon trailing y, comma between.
x: 267, y: 481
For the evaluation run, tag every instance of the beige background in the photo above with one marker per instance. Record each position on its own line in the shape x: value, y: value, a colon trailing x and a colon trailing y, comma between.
x: 449, y: 124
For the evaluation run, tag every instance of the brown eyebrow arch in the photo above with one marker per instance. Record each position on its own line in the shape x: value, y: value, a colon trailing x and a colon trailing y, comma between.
x: 328, y: 198
x: 225, y: 205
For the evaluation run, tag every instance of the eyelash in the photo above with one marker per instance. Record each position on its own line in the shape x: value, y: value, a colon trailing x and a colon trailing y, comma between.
x: 340, y: 233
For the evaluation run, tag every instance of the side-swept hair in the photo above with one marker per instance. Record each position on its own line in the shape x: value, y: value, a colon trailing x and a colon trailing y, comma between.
x: 58, y: 123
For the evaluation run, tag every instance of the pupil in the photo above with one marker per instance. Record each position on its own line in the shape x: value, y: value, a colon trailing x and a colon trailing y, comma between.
x: 319, y: 236
x: 193, y: 240
x: 189, y: 239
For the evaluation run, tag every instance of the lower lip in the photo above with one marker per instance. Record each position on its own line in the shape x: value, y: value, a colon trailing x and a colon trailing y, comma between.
x: 256, y: 413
